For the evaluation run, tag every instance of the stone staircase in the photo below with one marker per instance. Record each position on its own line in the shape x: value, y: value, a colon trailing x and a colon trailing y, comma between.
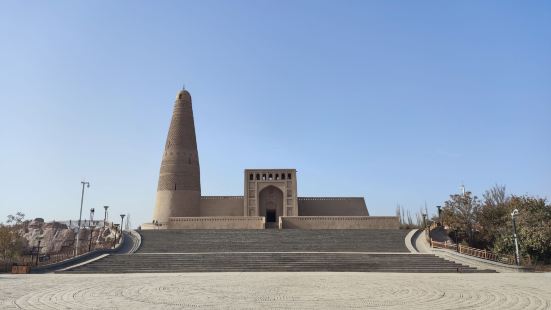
x: 272, y: 251
x: 272, y: 262
x: 272, y: 240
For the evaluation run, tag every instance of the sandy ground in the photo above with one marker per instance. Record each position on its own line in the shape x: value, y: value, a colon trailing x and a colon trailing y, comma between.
x: 276, y: 290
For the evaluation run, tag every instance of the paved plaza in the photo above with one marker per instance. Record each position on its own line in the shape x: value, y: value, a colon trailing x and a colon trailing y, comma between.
x: 276, y: 290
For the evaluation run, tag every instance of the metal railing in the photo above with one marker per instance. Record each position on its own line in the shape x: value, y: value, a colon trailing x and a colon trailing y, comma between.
x: 483, y: 254
x: 35, y: 258
x: 42, y: 259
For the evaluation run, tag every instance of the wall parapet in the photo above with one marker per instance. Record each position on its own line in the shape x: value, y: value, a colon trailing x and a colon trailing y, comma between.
x: 217, y: 222
x: 329, y: 198
x: 221, y: 197
x: 339, y: 222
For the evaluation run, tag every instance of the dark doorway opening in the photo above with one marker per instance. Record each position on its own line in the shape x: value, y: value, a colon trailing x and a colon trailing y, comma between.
x: 270, y: 216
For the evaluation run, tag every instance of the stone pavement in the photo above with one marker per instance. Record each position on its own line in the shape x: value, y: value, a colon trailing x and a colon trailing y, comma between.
x: 300, y: 290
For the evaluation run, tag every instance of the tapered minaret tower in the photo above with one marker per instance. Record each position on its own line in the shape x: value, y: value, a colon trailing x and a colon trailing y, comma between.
x: 179, y: 189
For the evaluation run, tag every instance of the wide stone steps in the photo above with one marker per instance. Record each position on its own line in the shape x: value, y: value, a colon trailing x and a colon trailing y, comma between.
x: 167, y: 251
x: 290, y: 240
x: 271, y: 262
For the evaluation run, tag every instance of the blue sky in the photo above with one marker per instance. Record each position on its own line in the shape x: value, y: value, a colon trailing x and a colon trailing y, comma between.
x: 397, y: 101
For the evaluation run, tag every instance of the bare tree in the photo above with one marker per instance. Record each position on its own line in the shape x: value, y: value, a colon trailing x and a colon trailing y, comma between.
x: 496, y: 196
x: 461, y: 212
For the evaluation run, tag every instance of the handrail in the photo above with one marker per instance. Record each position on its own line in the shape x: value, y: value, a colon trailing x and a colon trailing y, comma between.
x: 483, y: 254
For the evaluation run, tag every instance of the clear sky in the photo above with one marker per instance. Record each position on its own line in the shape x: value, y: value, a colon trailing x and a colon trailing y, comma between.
x: 397, y: 101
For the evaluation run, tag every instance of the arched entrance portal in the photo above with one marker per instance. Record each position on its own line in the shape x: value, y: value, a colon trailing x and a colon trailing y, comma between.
x: 271, y: 205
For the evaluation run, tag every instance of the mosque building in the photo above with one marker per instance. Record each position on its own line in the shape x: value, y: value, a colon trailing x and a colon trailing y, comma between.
x: 270, y: 197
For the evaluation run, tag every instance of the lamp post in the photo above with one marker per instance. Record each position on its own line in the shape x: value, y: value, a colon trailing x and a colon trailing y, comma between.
x: 92, y: 215
x: 456, y: 239
x: 91, y: 235
x: 517, y: 256
x: 122, y: 221
x: 87, y: 184
x: 440, y: 215
x: 91, y: 226
x: 39, y: 238
x: 425, y: 223
x: 105, y: 216
x: 115, y: 241
x: 424, y: 220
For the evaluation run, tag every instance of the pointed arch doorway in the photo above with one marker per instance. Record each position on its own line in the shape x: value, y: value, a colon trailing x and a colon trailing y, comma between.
x: 271, y: 205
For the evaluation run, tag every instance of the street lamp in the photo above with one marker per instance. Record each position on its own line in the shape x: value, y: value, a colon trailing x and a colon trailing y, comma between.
x: 91, y: 226
x: 105, y: 216
x: 115, y: 241
x: 90, y: 241
x: 39, y: 238
x: 87, y: 184
x: 122, y: 221
x: 517, y: 257
x: 92, y: 216
x: 427, y: 232
x: 456, y: 239
x: 424, y: 220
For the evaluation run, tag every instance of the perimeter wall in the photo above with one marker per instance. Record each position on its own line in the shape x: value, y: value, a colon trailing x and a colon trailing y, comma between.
x: 339, y: 222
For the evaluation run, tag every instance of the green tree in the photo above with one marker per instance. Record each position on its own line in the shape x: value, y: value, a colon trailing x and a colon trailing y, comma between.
x: 534, y: 226
x: 489, y: 224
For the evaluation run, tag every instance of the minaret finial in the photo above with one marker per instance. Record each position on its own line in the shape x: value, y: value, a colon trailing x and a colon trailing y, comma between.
x: 183, y: 86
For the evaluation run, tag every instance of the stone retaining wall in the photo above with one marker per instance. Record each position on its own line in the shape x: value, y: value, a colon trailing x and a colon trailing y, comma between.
x: 339, y: 222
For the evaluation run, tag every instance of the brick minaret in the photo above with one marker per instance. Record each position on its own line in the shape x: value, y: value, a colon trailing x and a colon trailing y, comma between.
x: 179, y: 188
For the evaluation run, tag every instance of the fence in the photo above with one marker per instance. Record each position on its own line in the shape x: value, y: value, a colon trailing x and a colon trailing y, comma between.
x: 484, y: 254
